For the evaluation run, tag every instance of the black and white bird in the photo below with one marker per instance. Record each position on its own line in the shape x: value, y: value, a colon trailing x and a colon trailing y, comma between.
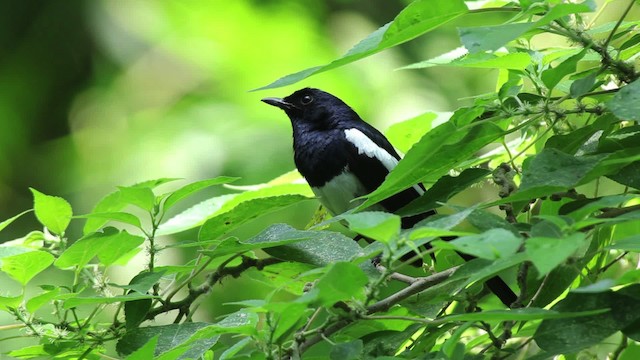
x: 343, y: 158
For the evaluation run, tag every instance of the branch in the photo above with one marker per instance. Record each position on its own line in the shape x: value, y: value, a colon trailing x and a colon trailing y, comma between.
x: 420, y: 284
x: 194, y: 293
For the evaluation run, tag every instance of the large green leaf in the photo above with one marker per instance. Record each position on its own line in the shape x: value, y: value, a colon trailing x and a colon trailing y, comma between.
x: 260, y: 199
x: 108, y: 246
x: 492, y: 244
x: 343, y: 281
x: 189, y: 189
x: 116, y: 201
x: 626, y: 102
x: 376, y: 225
x: 461, y: 58
x: 559, y: 336
x: 417, y: 18
x: 224, y: 222
x: 439, y: 151
x: 547, y: 253
x: 23, y: 267
x: 446, y: 187
x: 483, y: 38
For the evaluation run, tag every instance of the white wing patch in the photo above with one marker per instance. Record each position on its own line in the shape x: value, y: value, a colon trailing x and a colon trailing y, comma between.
x: 368, y: 147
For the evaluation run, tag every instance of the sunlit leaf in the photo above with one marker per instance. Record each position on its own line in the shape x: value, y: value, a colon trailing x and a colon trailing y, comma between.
x: 23, y: 267
x: 53, y: 212
x: 108, y: 246
x: 376, y: 225
x: 417, y: 18
x: 192, y: 188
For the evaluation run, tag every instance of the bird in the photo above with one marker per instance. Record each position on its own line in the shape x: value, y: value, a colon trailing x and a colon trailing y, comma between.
x: 343, y: 158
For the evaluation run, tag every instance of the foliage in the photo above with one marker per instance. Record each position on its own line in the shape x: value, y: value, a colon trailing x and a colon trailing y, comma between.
x: 562, y: 122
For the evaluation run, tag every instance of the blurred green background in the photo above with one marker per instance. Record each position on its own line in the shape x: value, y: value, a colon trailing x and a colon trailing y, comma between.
x: 96, y: 94
x: 100, y: 93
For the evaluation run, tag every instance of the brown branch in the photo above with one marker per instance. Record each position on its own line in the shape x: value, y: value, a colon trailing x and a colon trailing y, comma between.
x: 213, y: 278
x: 417, y: 286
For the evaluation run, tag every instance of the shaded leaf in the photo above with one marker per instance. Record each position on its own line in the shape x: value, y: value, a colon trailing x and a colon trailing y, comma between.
x: 7, y: 222
x: 445, y: 188
x: 571, y: 335
x: 552, y: 76
x: 625, y: 104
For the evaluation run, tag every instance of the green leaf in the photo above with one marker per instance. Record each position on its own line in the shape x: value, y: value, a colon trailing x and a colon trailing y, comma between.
x: 7, y: 222
x: 625, y: 104
x: 580, y: 138
x: 140, y: 196
x: 485, y: 38
x: 194, y: 216
x: 460, y: 58
x: 526, y: 314
x: 406, y: 133
x: 583, y: 85
x: 631, y: 243
x: 119, y: 216
x: 146, y: 351
x: 351, y: 350
x: 417, y: 18
x: 547, y: 253
x: 275, y: 235
x: 192, y: 188
x: 108, y: 245
x: 114, y: 202
x: 320, y: 248
x: 168, y: 337
x: 380, y: 226
x: 23, y: 267
x: 224, y: 222
x: 490, y: 245
x: 569, y: 336
x: 553, y: 171
x: 93, y: 300
x: 10, y: 302
x: 342, y: 282
x: 135, y: 312
x: 552, y: 76
x: 36, y: 302
x: 223, y: 208
x: 441, y: 149
x: 53, y: 212
x: 445, y: 188
x: 142, y: 282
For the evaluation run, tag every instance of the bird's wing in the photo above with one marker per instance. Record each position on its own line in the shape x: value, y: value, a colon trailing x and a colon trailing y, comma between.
x: 370, y: 157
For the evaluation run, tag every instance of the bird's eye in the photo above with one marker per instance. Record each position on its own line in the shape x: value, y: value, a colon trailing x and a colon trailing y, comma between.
x: 306, y: 100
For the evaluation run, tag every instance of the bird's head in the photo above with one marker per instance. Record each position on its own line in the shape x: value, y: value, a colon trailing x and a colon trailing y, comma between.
x: 313, y: 107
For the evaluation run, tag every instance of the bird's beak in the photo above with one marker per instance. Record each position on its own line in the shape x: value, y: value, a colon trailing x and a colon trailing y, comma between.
x: 277, y: 102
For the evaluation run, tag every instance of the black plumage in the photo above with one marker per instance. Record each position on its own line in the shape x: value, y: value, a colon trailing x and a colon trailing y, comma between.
x: 342, y: 158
